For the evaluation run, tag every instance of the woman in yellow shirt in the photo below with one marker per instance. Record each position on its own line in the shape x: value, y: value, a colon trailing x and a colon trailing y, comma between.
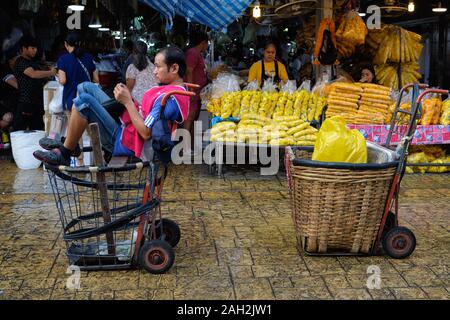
x: 270, y: 68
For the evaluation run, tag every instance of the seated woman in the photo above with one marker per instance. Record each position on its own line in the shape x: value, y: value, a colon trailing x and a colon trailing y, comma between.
x: 137, y: 120
x: 367, y: 75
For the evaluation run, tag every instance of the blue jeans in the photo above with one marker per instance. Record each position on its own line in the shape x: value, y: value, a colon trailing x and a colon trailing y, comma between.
x: 89, y: 105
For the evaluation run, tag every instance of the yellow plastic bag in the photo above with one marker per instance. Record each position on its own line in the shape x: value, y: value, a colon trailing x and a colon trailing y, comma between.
x: 336, y: 143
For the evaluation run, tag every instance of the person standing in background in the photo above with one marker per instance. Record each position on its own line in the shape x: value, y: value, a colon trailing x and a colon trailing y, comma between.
x: 74, y: 67
x: 196, y: 74
x: 269, y: 67
x: 8, y: 91
x: 140, y: 73
x: 128, y: 47
x: 30, y: 80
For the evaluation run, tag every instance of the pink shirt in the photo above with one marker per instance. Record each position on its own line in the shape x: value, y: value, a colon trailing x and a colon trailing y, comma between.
x: 195, y: 61
x: 131, y: 139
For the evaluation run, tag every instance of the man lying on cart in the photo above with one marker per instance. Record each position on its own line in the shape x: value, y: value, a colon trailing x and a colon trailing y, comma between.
x: 126, y: 138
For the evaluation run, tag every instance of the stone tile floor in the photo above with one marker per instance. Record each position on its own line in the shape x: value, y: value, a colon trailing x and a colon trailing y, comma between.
x: 238, y: 242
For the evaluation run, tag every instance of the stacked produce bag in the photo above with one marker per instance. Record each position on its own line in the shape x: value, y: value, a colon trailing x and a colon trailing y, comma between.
x: 427, y: 154
x: 359, y: 103
x: 445, y: 113
x: 434, y: 112
x: 396, y: 51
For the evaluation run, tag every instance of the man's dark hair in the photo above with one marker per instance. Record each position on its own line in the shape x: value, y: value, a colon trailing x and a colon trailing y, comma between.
x: 174, y: 55
x: 28, y: 41
x: 197, y: 38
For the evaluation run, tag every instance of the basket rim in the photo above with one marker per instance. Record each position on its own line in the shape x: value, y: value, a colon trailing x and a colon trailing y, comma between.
x: 93, y: 169
x: 344, y: 165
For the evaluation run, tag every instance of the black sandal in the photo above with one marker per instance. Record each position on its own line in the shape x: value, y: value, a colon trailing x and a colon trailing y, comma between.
x: 51, y: 144
x: 53, y: 157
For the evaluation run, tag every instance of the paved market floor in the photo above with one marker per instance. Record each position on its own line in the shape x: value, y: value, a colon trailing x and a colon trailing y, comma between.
x: 238, y: 242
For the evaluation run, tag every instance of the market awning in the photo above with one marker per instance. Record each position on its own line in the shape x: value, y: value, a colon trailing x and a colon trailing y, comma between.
x: 215, y: 14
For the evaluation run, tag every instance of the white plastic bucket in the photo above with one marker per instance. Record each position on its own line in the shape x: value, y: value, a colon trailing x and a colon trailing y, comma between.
x: 23, y: 144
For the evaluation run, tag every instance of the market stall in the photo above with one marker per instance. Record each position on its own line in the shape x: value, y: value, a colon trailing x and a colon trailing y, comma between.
x: 244, y: 115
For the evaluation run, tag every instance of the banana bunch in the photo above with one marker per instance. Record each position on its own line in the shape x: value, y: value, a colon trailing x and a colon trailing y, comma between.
x: 300, y: 105
x: 224, y: 132
x: 388, y: 74
x: 246, y: 97
x: 254, y: 103
x: 214, y: 106
x: 281, y: 103
x: 265, y: 105
x: 257, y: 129
x: 395, y: 44
x: 351, y: 33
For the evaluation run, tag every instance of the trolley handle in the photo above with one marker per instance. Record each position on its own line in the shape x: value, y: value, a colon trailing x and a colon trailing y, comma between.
x: 440, y: 91
x: 178, y: 92
x: 421, y: 86
x: 191, y: 86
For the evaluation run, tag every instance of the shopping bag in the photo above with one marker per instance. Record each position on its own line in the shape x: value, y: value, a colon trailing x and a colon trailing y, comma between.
x: 336, y: 143
x: 55, y: 105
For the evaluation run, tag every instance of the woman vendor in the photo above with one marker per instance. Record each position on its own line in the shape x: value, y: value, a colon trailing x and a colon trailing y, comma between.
x: 270, y: 68
x: 367, y: 75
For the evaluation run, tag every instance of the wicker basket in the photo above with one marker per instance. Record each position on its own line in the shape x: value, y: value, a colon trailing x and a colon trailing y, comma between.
x: 336, y: 208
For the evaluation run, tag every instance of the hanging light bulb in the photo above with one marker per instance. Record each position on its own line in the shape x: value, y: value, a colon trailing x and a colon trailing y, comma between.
x: 76, y: 6
x: 440, y: 8
x: 95, y: 21
x: 256, y: 10
x: 411, y: 6
x: 103, y: 29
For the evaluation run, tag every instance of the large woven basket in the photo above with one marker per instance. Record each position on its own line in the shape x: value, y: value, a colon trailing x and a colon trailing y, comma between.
x: 336, y: 208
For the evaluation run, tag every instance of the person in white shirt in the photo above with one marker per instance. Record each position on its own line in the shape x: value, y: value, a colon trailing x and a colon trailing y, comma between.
x: 140, y: 76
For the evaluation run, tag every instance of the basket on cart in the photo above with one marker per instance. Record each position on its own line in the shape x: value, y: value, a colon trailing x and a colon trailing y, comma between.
x: 337, y: 207
x: 343, y: 208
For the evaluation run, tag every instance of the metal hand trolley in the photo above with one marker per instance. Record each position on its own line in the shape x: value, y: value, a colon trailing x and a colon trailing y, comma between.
x: 352, y: 209
x: 124, y: 227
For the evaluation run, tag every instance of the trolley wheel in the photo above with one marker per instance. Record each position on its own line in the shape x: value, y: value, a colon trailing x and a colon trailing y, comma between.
x: 399, y: 242
x: 156, y: 256
x: 170, y: 229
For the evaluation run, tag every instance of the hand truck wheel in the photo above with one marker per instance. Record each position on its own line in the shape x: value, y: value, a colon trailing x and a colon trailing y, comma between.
x: 156, y: 256
x: 399, y: 242
x: 170, y: 229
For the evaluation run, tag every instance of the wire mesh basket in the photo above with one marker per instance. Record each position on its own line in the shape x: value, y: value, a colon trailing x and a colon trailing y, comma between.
x: 99, y: 209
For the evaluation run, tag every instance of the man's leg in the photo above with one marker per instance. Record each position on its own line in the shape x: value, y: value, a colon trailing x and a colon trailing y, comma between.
x: 77, y: 125
x: 93, y: 90
x: 86, y: 110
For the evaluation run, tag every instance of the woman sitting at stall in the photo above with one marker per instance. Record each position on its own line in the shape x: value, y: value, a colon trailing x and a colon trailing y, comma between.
x: 271, y: 68
x: 367, y: 74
